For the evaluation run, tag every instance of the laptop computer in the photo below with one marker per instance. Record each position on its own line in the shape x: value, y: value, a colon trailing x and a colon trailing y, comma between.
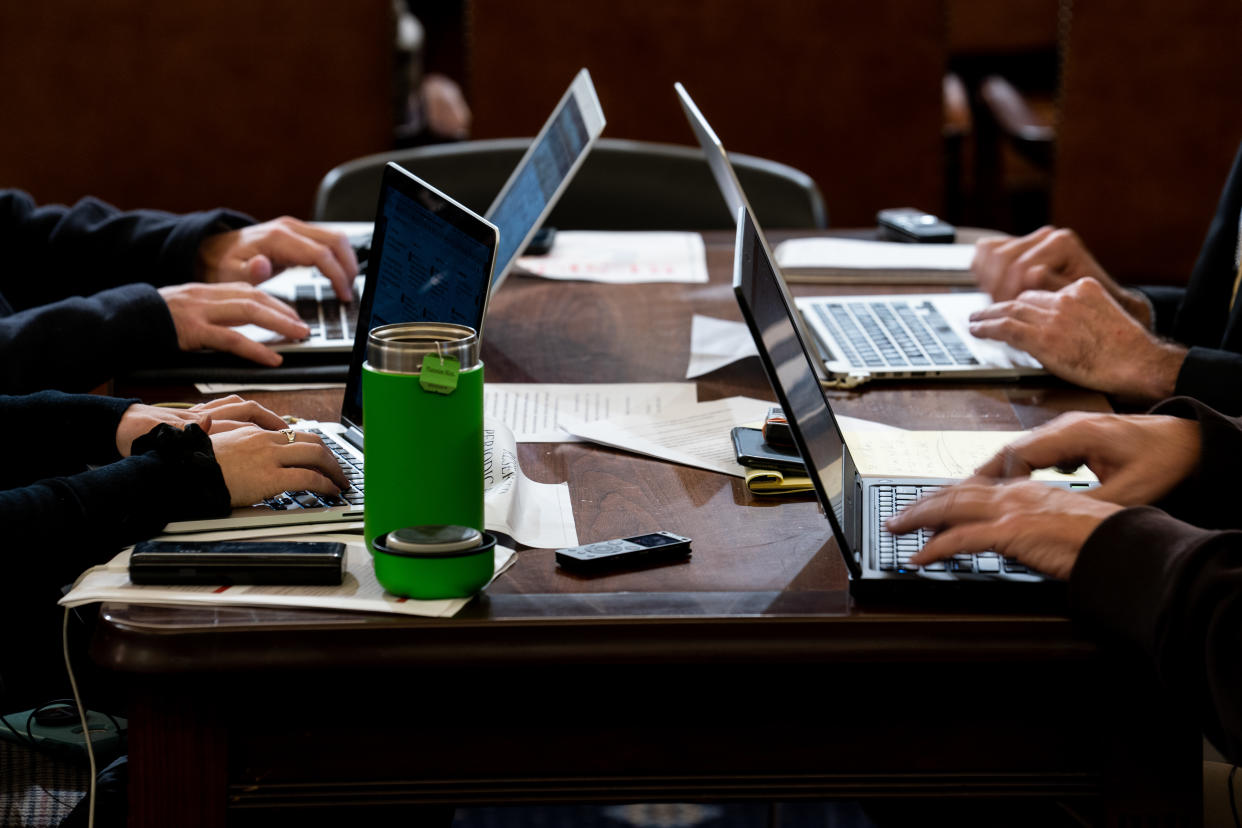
x: 431, y: 260
x: 519, y: 209
x: 886, y: 336
x: 857, y: 504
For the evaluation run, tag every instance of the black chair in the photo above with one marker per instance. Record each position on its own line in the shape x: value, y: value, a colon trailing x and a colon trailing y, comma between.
x: 622, y: 185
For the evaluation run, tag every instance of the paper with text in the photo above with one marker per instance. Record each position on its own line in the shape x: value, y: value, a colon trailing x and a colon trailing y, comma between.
x: 694, y: 435
x: 532, y: 410
x: 621, y: 258
x: 536, y: 514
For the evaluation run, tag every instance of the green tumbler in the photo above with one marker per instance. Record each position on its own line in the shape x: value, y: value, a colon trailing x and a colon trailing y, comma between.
x: 422, y: 408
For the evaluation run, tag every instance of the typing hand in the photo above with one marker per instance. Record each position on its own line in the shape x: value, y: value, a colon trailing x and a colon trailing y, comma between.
x: 1081, y: 334
x: 1048, y: 259
x: 257, y: 463
x: 204, y: 316
x: 1138, y: 458
x: 257, y: 253
x: 216, y: 416
x: 1044, y: 527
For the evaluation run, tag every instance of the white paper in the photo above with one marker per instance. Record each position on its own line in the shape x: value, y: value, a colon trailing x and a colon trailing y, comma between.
x: 621, y: 258
x: 266, y: 532
x: 536, y: 514
x: 872, y: 255
x: 714, y: 343
x: 532, y: 410
x: 693, y: 435
x: 359, y: 592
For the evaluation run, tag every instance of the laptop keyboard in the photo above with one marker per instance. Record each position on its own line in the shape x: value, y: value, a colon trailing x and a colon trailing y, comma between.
x: 894, y: 551
x: 350, y: 465
x: 325, y: 315
x: 893, y: 334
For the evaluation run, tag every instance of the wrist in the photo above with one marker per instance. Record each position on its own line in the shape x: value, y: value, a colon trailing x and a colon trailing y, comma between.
x: 1160, y: 372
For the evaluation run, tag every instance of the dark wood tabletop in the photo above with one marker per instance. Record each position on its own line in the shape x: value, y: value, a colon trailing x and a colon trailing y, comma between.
x: 753, y: 636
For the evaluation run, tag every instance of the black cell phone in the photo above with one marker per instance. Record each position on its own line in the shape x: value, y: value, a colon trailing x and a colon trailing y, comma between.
x: 541, y: 242
x: 291, y: 563
x: 753, y: 451
x: 906, y: 224
x: 624, y: 553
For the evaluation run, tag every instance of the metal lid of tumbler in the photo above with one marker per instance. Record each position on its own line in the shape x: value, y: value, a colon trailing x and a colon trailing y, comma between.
x: 400, y: 348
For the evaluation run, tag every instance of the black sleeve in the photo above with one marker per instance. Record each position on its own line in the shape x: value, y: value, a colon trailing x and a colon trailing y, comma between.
x: 51, y: 434
x: 1213, y: 376
x: 62, y: 525
x: 1165, y: 302
x: 1175, y: 591
x: 78, y: 343
x: 1208, y: 497
x: 52, y: 252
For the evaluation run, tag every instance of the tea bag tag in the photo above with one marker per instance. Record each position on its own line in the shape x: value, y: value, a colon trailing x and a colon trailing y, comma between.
x: 439, y: 373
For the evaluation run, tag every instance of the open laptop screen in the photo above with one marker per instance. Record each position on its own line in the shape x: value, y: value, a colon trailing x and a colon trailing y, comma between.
x: 431, y: 261
x: 791, y: 373
x: 544, y: 171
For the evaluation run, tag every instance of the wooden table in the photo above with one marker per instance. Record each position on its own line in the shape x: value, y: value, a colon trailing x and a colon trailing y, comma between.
x: 747, y: 672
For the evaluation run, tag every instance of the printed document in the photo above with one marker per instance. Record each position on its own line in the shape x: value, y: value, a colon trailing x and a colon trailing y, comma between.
x: 621, y: 258
x: 533, y: 410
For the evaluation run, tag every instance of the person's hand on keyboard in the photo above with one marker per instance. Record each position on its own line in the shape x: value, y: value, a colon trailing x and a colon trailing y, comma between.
x: 1138, y: 458
x: 257, y: 253
x: 1048, y: 259
x: 258, y: 463
x: 1081, y: 334
x: 204, y: 316
x: 1042, y: 526
x: 223, y: 414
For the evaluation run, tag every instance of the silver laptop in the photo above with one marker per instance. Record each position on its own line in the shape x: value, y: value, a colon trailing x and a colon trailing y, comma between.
x: 526, y: 199
x: 889, y: 336
x: 856, y: 504
x: 431, y: 260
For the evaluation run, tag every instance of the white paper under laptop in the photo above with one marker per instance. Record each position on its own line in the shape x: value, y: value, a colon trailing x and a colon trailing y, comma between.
x: 890, y: 336
x: 855, y: 504
x: 431, y: 260
x: 519, y: 209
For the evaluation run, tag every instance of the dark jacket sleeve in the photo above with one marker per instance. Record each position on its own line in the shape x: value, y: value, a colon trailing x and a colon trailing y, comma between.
x: 1176, y: 591
x: 52, y: 434
x: 66, y: 524
x: 1209, y: 496
x: 76, y: 344
x: 77, y: 306
x: 54, y: 251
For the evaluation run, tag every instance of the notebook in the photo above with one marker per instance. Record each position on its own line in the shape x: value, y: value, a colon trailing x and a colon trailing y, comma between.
x: 521, y: 206
x: 890, y: 336
x: 431, y: 260
x: 856, y: 504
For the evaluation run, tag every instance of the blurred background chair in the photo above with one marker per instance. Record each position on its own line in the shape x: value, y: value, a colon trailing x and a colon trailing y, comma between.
x: 622, y: 185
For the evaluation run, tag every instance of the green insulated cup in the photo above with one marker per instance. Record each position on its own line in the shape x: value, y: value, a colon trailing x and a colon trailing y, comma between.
x: 422, y: 409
